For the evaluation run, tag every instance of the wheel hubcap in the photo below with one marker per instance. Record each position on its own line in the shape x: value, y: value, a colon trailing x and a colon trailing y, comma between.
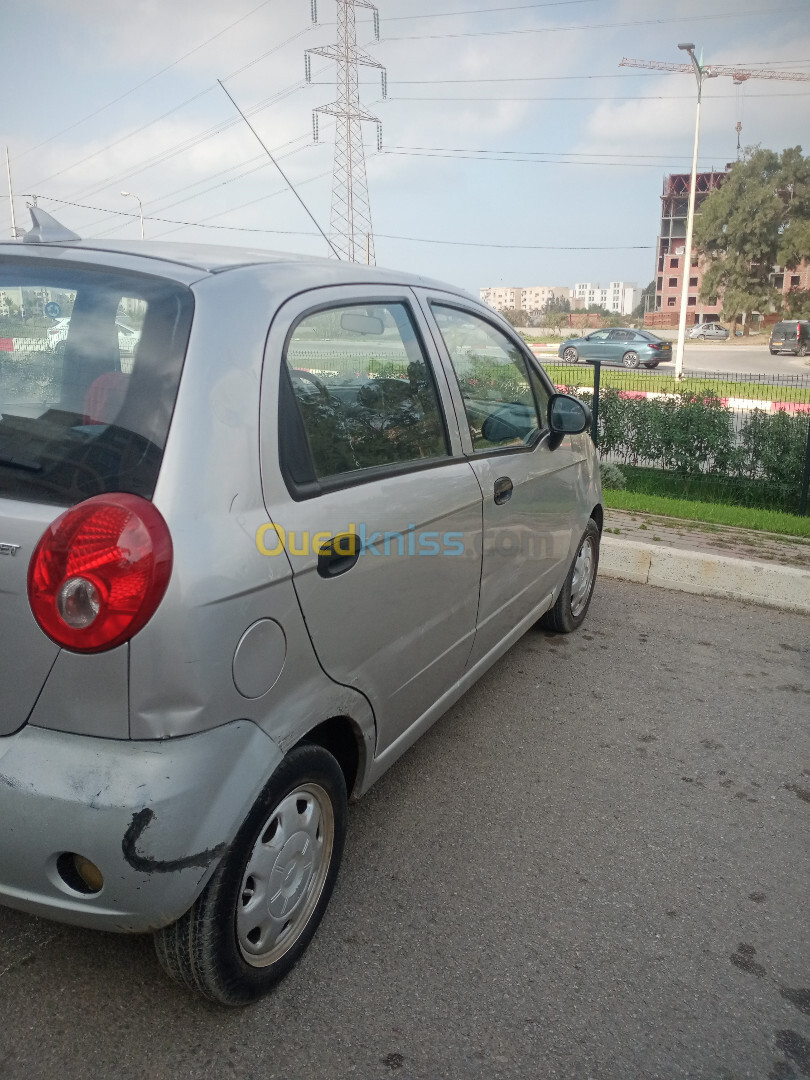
x: 285, y: 875
x: 582, y: 578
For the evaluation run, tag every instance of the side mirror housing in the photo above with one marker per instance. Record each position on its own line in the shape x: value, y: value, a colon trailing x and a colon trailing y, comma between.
x: 567, y: 415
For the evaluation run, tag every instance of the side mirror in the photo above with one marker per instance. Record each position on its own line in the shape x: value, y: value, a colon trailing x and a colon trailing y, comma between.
x: 567, y: 415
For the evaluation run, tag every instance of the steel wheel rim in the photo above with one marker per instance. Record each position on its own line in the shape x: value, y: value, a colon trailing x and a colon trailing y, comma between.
x: 582, y: 577
x: 285, y: 875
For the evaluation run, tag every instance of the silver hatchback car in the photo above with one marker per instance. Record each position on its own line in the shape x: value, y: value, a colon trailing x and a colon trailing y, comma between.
x: 245, y: 567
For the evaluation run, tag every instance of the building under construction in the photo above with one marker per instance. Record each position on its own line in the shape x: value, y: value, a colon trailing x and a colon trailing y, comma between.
x: 671, y: 253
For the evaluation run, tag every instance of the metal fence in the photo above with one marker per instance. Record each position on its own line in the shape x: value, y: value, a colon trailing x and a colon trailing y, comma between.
x: 719, y: 437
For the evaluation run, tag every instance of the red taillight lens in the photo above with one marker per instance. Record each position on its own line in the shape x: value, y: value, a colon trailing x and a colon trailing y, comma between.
x: 99, y: 572
x: 654, y: 345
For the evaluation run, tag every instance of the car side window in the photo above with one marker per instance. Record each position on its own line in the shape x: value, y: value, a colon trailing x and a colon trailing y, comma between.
x: 598, y: 335
x: 620, y: 335
x: 493, y: 378
x: 364, y: 389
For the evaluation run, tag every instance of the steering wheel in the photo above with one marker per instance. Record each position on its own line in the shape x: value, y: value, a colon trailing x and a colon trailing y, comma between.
x: 307, y: 376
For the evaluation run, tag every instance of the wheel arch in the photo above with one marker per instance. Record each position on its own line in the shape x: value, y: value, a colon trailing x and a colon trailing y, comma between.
x: 342, y: 737
x: 598, y: 517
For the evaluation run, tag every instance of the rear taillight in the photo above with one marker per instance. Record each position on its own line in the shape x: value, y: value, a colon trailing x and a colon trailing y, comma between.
x: 99, y: 572
x: 654, y: 345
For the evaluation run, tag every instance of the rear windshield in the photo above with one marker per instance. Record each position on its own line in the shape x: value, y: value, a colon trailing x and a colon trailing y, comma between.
x: 785, y: 328
x: 90, y: 363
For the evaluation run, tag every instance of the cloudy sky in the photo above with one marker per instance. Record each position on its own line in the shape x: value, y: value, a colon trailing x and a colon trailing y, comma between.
x: 515, y: 149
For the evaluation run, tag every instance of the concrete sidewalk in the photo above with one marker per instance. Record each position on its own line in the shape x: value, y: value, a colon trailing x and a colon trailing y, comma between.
x: 736, y: 564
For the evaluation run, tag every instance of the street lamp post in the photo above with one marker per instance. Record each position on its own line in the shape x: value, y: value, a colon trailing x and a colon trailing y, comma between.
x: 132, y: 195
x: 701, y: 73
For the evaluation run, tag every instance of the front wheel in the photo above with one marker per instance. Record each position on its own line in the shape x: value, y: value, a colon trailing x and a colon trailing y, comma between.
x: 630, y: 359
x: 572, y: 604
x: 570, y: 355
x: 261, y: 908
x: 701, y: 337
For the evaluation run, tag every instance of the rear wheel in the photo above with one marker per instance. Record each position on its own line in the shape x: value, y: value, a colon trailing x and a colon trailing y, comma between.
x: 654, y: 364
x: 570, y: 355
x: 630, y: 359
x: 572, y: 604
x: 802, y: 350
x: 260, y: 910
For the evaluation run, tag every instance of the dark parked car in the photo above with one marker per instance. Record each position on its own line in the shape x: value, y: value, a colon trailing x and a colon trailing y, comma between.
x: 631, y: 348
x: 791, y: 336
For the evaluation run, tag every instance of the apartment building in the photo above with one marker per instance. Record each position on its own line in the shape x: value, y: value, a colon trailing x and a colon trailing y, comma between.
x: 529, y: 298
x: 621, y: 297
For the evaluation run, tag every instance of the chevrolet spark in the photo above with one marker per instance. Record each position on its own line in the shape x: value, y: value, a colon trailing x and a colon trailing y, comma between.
x: 245, y: 566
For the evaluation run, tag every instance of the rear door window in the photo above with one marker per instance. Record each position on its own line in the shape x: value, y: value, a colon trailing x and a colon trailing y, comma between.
x: 364, y: 390
x: 90, y: 364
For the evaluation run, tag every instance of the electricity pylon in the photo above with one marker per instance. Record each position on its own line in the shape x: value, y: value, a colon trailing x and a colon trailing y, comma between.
x: 350, y: 227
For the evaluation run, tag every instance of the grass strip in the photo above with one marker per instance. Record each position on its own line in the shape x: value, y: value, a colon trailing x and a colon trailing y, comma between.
x: 565, y: 375
x: 740, y: 517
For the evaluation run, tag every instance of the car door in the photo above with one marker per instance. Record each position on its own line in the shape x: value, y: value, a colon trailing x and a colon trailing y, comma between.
x: 379, y: 512
x: 597, y: 346
x: 532, y: 494
x: 617, y: 344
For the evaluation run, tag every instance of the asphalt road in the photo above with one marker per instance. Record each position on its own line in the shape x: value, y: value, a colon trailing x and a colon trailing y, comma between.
x: 593, y: 868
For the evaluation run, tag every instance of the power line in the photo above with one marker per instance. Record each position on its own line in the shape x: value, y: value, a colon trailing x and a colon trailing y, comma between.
x: 176, y: 108
x: 151, y: 78
x: 602, y: 97
x: 486, y: 11
x: 593, y: 26
x: 530, y: 160
x: 534, y: 153
x: 386, y: 236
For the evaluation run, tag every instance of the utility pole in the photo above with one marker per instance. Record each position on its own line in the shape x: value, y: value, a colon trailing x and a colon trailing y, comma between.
x: 11, y: 198
x: 701, y: 73
x: 351, y: 230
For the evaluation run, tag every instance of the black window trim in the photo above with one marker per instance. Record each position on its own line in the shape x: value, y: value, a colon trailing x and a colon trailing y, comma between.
x: 291, y: 431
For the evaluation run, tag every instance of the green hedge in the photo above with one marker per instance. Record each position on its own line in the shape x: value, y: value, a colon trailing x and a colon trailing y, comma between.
x: 692, y: 446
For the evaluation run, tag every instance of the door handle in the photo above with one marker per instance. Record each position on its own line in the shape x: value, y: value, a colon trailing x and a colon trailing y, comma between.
x: 338, y: 554
x: 503, y: 490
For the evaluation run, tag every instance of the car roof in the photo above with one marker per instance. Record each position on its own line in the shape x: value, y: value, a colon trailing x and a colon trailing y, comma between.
x: 216, y: 259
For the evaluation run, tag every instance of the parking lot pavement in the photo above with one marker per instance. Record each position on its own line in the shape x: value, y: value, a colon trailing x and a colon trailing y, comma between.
x: 595, y: 866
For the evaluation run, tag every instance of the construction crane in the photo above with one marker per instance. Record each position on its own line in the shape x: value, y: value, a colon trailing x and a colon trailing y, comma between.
x: 740, y: 75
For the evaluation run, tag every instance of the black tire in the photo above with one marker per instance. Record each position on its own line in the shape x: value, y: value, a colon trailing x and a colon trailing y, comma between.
x: 653, y: 365
x: 571, y: 606
x: 209, y: 949
x: 802, y: 350
x: 701, y: 337
x: 773, y: 352
x: 630, y: 359
x: 570, y: 355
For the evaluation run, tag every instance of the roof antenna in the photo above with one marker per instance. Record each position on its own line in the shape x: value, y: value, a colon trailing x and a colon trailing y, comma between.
x: 47, y: 230
x: 284, y: 175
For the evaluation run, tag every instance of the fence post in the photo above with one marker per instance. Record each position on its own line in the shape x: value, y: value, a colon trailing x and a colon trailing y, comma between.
x: 806, y: 476
x: 597, y: 371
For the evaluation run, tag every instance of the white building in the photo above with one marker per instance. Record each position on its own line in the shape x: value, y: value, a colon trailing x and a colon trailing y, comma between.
x: 620, y: 297
x: 528, y: 298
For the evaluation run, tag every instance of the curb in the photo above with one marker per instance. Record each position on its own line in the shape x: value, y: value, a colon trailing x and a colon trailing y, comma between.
x: 786, y: 588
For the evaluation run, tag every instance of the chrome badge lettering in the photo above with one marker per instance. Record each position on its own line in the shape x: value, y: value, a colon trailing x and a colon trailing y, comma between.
x: 8, y: 549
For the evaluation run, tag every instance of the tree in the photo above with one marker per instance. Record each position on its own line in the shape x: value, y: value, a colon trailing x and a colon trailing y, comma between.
x: 758, y: 217
x: 515, y: 316
x: 641, y: 307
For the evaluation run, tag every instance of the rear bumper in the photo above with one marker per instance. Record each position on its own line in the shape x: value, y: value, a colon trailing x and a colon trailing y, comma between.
x: 155, y: 817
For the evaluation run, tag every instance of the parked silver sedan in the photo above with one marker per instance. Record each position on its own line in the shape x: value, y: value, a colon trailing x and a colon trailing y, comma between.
x: 709, y: 331
x: 243, y: 569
